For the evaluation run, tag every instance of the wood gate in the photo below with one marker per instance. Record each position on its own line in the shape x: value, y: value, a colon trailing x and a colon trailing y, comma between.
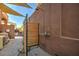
x: 31, y: 37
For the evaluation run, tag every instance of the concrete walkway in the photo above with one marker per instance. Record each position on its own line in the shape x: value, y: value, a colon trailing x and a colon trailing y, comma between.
x: 11, y: 49
x: 37, y: 51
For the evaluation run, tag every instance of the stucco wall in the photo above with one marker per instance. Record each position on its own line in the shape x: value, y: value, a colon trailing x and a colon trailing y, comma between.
x: 4, y: 17
x: 11, y: 32
x: 61, y: 22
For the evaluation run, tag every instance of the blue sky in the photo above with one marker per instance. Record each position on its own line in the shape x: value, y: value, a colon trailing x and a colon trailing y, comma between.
x: 22, y: 10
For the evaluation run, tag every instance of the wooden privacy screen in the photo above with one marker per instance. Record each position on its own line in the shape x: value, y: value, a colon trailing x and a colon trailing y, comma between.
x: 32, y: 34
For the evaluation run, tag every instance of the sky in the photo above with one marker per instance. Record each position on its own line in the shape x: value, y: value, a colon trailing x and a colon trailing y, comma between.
x: 22, y: 10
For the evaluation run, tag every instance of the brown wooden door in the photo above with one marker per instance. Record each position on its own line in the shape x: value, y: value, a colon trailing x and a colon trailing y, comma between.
x: 32, y: 34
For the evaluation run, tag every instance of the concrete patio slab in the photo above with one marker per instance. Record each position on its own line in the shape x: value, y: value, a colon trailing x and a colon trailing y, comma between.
x: 11, y: 49
x: 37, y: 51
